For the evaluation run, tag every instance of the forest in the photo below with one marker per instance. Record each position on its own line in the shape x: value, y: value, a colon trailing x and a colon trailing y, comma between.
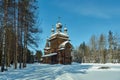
x: 17, y: 32
x: 100, y: 49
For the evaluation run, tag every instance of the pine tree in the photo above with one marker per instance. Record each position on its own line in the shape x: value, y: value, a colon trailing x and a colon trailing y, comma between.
x: 110, y: 41
x: 4, y: 5
x: 18, y: 20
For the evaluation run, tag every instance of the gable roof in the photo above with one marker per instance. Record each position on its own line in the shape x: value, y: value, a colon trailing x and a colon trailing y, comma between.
x: 48, y: 55
x: 47, y: 48
x: 63, y: 44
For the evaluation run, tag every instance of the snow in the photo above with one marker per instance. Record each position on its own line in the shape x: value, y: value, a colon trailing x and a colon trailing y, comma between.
x: 59, y: 33
x: 75, y: 71
x: 47, y: 47
x: 61, y: 49
x: 51, y: 54
x: 63, y: 44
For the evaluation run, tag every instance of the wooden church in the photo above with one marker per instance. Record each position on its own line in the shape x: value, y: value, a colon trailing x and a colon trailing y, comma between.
x: 58, y: 47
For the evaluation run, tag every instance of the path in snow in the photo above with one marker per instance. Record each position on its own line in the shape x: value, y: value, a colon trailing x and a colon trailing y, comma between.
x: 63, y: 72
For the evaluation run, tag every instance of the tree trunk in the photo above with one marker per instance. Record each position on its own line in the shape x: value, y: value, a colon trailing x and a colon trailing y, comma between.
x: 15, y: 55
x: 20, y: 29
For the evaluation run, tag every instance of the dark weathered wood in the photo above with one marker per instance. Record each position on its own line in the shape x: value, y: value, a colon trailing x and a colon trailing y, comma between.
x: 63, y: 56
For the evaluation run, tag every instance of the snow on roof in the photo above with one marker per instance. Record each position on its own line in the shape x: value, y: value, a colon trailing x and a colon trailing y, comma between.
x: 60, y: 33
x: 48, y: 55
x: 63, y: 44
x: 61, y: 49
x: 47, y: 47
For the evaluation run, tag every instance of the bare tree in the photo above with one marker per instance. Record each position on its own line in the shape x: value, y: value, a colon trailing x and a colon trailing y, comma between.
x: 93, y: 49
x: 102, y: 47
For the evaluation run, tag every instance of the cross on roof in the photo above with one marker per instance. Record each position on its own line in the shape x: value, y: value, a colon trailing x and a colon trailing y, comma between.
x: 59, y: 19
x: 52, y: 26
x: 65, y: 25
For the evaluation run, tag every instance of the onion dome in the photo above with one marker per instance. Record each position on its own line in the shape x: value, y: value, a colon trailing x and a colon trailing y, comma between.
x: 52, y: 30
x: 58, y: 25
x: 65, y: 29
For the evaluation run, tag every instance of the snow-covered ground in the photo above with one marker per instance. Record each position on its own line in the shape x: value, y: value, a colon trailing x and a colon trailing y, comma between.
x: 75, y: 71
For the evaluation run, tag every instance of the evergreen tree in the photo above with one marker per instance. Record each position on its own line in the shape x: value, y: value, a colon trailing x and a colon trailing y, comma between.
x: 38, y: 55
x: 17, y: 19
x: 110, y: 41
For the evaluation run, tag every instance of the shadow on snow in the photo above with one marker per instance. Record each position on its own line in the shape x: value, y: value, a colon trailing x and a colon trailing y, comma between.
x: 45, y: 71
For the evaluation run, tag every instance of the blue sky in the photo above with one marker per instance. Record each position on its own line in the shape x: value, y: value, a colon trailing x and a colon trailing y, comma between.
x: 82, y: 17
